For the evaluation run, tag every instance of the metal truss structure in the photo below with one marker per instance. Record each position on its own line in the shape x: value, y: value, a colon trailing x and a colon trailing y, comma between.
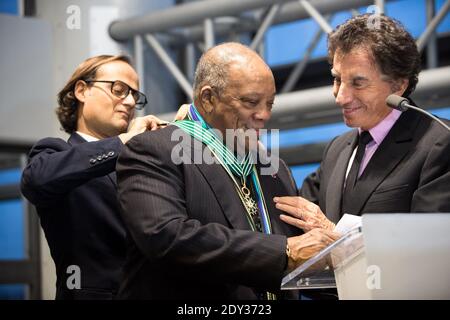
x: 198, y: 24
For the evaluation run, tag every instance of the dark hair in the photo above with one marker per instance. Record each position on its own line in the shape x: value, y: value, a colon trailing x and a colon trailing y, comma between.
x: 392, y: 47
x: 67, y: 110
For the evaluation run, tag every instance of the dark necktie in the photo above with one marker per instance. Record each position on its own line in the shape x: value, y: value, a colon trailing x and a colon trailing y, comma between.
x: 352, y: 177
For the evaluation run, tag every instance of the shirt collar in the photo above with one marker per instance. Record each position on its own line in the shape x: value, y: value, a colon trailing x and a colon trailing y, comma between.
x: 87, y: 137
x: 380, y: 131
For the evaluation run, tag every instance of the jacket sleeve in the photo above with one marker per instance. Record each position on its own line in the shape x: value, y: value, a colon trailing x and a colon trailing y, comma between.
x: 151, y: 192
x: 433, y: 192
x: 55, y: 167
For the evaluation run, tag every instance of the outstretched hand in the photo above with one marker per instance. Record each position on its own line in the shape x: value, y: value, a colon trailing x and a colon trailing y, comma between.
x: 141, y: 124
x: 182, y: 112
x: 302, y: 213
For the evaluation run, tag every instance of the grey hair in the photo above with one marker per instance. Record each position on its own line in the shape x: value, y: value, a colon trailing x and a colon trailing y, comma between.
x: 213, y: 66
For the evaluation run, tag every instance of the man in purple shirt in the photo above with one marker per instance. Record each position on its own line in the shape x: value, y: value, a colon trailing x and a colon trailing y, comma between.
x: 393, y: 161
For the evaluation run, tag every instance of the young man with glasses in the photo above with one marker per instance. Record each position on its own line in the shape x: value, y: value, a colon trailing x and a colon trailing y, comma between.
x: 73, y: 183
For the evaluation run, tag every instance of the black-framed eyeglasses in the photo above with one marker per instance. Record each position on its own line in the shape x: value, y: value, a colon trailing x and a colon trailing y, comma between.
x: 121, y: 90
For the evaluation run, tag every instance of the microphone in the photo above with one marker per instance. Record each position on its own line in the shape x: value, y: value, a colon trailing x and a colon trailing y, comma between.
x: 402, y: 104
x: 397, y: 102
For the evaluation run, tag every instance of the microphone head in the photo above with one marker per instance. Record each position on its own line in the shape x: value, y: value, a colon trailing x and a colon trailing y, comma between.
x: 397, y: 102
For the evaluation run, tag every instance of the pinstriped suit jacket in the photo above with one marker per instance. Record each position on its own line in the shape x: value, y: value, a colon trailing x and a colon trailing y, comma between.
x: 188, y: 234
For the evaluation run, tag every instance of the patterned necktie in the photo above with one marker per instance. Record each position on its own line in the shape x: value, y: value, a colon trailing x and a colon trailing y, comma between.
x: 352, y: 177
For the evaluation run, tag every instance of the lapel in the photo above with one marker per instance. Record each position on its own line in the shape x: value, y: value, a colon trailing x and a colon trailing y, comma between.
x: 271, y: 186
x: 221, y: 185
x: 75, y: 139
x: 335, y: 187
x: 386, y: 158
x: 226, y: 196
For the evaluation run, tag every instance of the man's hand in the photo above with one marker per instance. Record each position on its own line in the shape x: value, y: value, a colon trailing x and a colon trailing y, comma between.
x: 182, y: 112
x: 302, y: 248
x: 141, y: 124
x: 304, y: 214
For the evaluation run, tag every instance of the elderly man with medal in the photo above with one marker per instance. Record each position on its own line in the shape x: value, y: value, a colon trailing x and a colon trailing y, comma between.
x: 209, y: 229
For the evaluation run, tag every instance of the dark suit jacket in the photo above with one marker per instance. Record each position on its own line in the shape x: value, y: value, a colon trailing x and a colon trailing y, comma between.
x: 189, y: 237
x: 409, y: 171
x: 76, y: 200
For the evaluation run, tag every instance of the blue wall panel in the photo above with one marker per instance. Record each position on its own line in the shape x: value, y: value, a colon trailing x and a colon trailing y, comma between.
x: 9, y: 6
x: 286, y: 43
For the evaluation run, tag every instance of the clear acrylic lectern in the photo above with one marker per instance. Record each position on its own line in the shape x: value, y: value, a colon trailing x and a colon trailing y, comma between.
x: 323, y: 270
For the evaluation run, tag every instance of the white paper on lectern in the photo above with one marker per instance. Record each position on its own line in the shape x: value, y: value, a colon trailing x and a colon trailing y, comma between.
x: 347, y: 223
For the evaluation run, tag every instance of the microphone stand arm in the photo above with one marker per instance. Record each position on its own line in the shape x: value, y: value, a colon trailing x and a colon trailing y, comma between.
x: 428, y: 114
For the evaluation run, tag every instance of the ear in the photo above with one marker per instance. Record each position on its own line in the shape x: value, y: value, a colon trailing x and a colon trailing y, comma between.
x: 399, y: 86
x: 208, y: 98
x: 80, y: 89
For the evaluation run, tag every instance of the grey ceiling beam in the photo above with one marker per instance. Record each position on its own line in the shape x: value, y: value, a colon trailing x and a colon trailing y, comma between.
x: 183, y: 15
x: 192, y: 14
x: 140, y: 66
x: 267, y: 22
x: 432, y: 49
x: 432, y: 25
x: 301, y: 65
x: 209, y: 33
x: 315, y: 14
x: 170, y: 65
x: 380, y: 4
x: 289, y: 12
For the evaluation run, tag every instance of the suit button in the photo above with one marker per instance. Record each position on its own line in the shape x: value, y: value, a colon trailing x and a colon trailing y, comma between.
x: 99, y: 158
x: 110, y: 154
x: 92, y: 161
x: 104, y: 156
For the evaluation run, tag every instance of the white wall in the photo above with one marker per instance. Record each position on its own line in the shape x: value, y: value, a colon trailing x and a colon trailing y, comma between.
x: 26, y: 104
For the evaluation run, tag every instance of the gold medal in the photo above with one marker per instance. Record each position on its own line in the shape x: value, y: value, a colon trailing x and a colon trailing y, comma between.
x: 249, y: 203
